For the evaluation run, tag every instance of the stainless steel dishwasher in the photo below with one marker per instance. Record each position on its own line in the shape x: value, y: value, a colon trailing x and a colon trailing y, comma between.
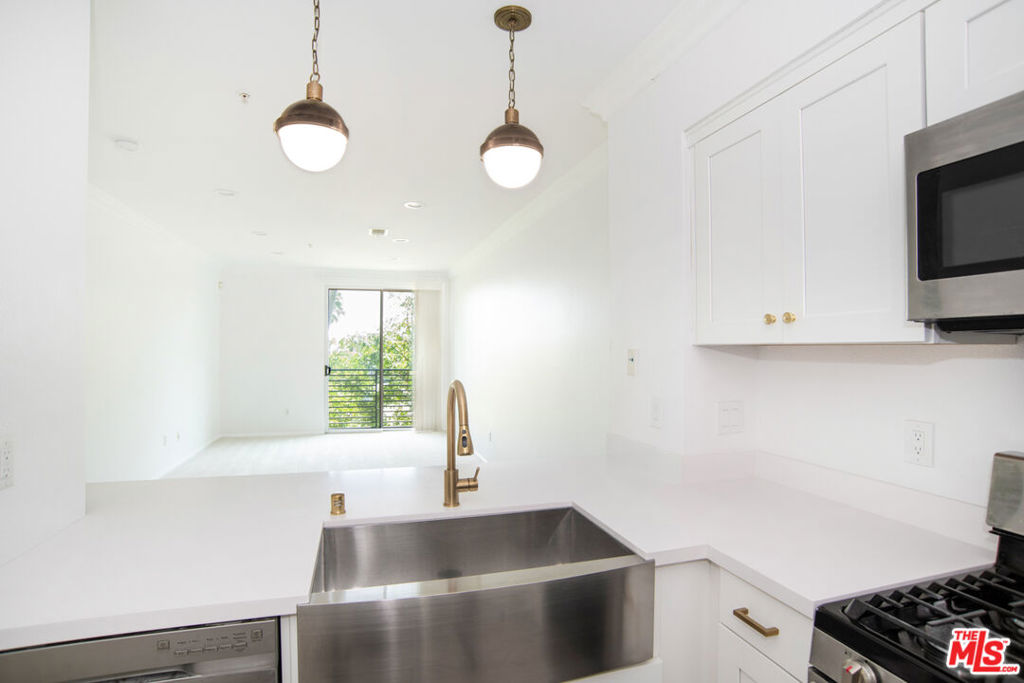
x: 235, y: 652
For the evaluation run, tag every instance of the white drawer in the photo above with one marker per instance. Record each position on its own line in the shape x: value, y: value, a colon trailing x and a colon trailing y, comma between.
x: 790, y: 648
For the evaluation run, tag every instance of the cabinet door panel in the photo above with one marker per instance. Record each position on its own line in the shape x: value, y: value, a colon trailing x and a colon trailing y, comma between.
x: 736, y: 222
x: 844, y: 216
x: 684, y: 636
x: 736, y: 238
x: 844, y: 145
x: 974, y: 52
x: 738, y: 662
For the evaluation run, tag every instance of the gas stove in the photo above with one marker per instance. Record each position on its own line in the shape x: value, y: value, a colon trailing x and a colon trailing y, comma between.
x: 906, y: 634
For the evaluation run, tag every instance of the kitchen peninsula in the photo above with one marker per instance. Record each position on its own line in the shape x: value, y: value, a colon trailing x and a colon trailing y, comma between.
x: 169, y: 553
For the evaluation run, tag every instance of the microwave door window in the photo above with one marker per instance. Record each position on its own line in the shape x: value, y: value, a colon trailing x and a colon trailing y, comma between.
x: 971, y: 216
x: 983, y: 223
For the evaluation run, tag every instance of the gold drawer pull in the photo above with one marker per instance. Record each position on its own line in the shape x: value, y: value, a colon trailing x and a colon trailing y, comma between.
x: 788, y: 317
x: 769, y: 319
x: 743, y: 614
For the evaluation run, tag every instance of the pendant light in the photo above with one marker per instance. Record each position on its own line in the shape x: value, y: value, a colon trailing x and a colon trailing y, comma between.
x: 511, y: 154
x: 313, y: 135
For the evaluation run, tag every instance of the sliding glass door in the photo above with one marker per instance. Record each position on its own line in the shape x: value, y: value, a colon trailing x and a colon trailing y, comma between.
x: 369, y: 369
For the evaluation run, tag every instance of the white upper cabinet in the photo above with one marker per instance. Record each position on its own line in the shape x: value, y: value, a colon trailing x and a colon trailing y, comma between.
x: 973, y: 54
x: 738, y: 250
x: 799, y: 206
x: 844, y: 192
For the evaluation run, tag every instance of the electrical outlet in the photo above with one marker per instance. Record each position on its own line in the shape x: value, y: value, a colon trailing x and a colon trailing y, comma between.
x: 6, y: 461
x: 657, y: 412
x: 919, y: 443
x: 632, y: 360
x: 730, y: 417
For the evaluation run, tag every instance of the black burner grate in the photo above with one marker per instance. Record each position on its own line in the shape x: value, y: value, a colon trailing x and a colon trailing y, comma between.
x: 920, y: 619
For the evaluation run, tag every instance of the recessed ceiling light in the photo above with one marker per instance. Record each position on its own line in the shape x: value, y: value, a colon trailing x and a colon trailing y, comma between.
x: 126, y: 144
x: 378, y: 232
x: 259, y: 233
x: 224, y: 192
x: 400, y: 240
x: 413, y: 205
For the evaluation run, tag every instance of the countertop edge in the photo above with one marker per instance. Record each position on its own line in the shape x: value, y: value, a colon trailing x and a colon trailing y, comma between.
x: 140, y: 622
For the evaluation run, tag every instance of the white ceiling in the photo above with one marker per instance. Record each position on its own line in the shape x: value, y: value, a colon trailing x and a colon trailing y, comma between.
x: 419, y: 85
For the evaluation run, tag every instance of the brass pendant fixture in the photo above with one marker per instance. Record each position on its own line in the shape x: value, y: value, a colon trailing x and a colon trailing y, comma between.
x: 512, y: 154
x: 313, y: 135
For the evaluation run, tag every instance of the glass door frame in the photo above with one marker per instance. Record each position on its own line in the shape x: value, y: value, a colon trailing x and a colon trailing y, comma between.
x: 326, y: 401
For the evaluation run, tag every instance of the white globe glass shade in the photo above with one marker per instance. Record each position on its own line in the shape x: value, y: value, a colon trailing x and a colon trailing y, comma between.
x: 512, y: 166
x: 312, y: 147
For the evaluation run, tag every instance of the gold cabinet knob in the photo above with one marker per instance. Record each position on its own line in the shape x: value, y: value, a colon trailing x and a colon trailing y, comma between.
x: 788, y: 317
x: 769, y: 319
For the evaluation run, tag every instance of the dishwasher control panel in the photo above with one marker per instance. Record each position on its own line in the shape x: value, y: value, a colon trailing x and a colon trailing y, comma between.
x: 214, y: 642
x: 196, y: 652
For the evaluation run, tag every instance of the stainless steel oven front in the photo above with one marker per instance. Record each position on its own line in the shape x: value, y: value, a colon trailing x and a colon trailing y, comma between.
x: 965, y: 227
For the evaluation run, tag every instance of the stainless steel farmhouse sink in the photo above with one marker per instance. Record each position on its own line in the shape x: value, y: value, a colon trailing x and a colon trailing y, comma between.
x: 541, y: 595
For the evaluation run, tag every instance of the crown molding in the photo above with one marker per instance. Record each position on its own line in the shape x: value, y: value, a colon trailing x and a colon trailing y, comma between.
x: 883, y: 16
x: 683, y: 28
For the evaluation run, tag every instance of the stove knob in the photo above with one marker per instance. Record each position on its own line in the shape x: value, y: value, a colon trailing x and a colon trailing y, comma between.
x: 855, y: 671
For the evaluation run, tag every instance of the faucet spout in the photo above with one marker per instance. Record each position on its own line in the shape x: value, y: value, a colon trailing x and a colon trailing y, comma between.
x: 461, y: 444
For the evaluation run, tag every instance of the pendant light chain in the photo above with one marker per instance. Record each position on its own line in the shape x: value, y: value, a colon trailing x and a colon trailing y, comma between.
x: 512, y: 154
x: 312, y: 133
x: 315, y: 76
x: 511, y: 68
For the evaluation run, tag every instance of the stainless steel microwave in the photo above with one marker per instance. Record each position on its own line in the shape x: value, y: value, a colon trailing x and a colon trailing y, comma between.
x: 965, y: 227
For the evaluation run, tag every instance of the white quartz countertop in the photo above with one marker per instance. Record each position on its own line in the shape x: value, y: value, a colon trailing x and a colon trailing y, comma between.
x: 175, y: 552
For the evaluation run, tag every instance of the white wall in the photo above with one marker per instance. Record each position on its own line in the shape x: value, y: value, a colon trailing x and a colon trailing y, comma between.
x: 845, y: 408
x: 652, y: 301
x: 529, y: 319
x: 841, y: 406
x: 44, y: 128
x: 152, y: 342
x: 273, y: 343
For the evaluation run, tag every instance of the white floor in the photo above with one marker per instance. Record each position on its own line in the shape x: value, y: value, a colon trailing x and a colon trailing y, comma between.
x: 318, y: 453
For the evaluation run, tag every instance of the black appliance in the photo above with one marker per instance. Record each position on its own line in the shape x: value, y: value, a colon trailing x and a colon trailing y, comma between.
x: 903, y: 635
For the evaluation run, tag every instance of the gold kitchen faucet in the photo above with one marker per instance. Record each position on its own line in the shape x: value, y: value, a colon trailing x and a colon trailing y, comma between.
x: 452, y: 484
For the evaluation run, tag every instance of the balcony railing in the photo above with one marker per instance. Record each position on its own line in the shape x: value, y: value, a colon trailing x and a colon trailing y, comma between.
x: 369, y: 399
